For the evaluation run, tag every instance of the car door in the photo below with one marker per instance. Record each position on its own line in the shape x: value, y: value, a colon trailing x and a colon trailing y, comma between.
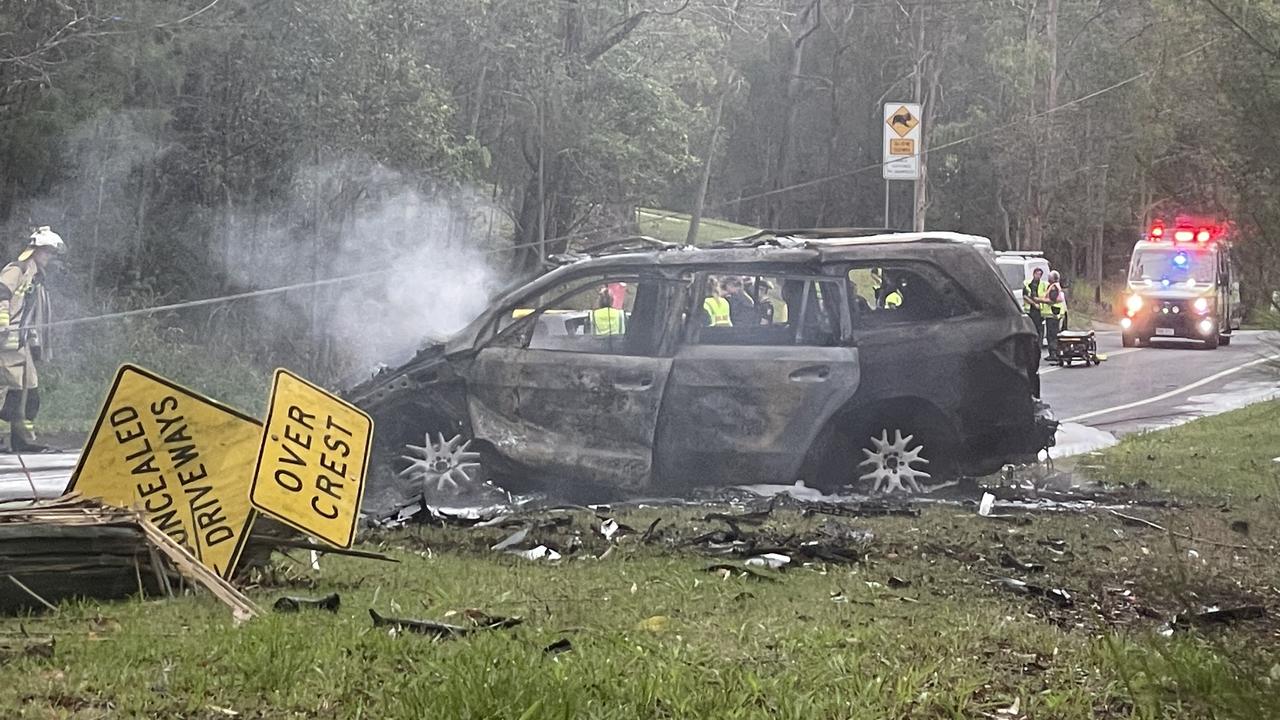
x: 933, y: 349
x: 745, y: 402
x: 580, y: 405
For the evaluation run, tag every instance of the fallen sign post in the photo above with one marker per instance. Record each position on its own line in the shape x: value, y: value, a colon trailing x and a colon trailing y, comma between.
x: 181, y: 458
x: 312, y: 460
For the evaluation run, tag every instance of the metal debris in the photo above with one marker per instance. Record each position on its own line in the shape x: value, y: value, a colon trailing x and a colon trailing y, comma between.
x: 563, y: 645
x: 1009, y: 561
x: 512, y: 540
x: 771, y: 560
x: 1057, y: 596
x: 289, y: 604
x: 439, y: 629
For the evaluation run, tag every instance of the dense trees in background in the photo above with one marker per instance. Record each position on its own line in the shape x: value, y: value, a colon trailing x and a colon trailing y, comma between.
x: 178, y: 142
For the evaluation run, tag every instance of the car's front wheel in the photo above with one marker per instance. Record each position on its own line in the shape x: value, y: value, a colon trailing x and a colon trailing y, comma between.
x: 1128, y: 340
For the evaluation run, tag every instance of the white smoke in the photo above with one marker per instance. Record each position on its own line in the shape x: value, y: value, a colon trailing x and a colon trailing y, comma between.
x: 436, y: 252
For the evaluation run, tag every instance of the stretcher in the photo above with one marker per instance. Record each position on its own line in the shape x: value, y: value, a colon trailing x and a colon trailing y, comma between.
x: 1078, y: 346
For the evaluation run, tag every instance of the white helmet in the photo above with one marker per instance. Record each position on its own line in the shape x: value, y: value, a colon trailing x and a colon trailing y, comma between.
x: 44, y: 237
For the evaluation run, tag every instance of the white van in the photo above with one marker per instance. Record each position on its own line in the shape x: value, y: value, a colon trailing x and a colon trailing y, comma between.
x: 1016, y: 267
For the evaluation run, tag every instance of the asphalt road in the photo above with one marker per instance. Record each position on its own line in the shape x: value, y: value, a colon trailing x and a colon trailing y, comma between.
x: 1135, y: 389
x: 1170, y: 383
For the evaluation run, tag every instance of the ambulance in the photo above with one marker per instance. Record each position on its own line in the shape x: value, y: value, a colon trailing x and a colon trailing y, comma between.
x: 1182, y: 285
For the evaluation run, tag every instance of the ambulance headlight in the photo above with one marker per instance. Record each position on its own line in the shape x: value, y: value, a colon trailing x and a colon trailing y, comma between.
x: 1126, y: 323
x: 1206, y: 327
x: 1133, y: 304
x: 1201, y: 305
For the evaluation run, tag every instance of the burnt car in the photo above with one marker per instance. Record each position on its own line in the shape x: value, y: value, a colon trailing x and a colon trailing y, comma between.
x: 890, y: 360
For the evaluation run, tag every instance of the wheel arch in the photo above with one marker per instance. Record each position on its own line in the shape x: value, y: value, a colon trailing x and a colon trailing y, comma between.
x: 832, y: 452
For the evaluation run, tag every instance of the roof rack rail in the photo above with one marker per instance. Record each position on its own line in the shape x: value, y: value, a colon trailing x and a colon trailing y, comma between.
x: 617, y: 246
x: 770, y: 236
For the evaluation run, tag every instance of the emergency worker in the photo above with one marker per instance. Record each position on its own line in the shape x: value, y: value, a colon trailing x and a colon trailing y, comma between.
x: 1054, y: 309
x: 888, y: 295
x: 742, y: 309
x: 607, y: 319
x: 1034, y: 289
x: 24, y: 306
x: 715, y: 306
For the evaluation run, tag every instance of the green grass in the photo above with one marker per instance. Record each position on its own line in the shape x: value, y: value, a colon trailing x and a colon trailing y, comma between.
x: 1227, y: 456
x: 656, y: 636
x: 674, y: 227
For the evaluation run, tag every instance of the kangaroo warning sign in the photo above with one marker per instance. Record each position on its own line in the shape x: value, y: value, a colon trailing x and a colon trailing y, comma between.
x: 902, y: 137
x: 312, y: 460
x: 183, y: 459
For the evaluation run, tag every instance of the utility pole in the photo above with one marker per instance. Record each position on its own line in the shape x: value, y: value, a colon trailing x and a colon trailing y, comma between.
x: 1102, y: 230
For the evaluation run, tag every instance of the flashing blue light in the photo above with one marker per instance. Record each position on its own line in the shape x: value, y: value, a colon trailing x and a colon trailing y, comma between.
x: 1165, y: 282
x: 1180, y: 260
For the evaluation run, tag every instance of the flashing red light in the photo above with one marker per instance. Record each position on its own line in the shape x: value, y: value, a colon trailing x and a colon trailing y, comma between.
x: 1183, y: 235
x: 1157, y: 231
x: 1203, y: 235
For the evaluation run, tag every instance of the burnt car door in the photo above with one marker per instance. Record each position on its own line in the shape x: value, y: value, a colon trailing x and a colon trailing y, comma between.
x: 746, y: 400
x: 570, y: 389
x: 926, y: 342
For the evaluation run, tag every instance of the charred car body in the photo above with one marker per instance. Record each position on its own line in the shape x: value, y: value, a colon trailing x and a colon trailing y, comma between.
x: 885, y: 359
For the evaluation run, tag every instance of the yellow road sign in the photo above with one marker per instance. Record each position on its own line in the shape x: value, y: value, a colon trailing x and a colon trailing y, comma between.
x: 311, y: 464
x: 905, y: 146
x: 184, y: 459
x: 903, y: 121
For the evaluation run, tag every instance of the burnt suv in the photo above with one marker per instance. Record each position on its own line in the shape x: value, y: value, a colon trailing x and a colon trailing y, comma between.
x: 892, y: 361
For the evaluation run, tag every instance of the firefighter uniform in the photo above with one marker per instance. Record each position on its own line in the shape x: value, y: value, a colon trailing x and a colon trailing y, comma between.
x: 24, y: 308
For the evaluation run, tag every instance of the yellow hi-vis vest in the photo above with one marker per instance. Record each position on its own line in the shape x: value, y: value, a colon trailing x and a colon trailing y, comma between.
x: 608, y: 321
x: 1030, y: 290
x: 717, y: 309
x: 892, y: 300
x: 1057, y: 308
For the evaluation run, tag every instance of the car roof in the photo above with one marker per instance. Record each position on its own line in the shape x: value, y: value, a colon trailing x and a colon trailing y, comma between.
x: 771, y: 246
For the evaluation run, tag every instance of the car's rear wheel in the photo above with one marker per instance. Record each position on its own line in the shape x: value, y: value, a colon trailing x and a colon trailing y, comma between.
x: 904, y: 456
x: 1211, y: 342
x: 443, y: 466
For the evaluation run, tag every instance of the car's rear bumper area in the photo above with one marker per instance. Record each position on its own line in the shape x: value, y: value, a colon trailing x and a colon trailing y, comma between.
x: 1012, y: 445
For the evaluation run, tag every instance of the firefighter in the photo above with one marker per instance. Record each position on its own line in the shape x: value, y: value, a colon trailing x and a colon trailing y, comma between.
x: 607, y: 319
x: 888, y: 296
x: 716, y: 306
x: 24, y: 307
x: 1054, y: 309
x: 1031, y: 292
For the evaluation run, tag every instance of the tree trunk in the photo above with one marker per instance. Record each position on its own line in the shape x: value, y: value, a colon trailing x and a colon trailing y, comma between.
x: 786, y: 139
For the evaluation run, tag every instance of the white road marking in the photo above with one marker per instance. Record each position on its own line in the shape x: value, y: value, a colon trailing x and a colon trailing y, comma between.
x: 1056, y: 368
x: 1173, y: 393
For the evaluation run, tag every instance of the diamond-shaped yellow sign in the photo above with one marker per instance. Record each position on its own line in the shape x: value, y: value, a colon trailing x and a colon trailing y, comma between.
x: 902, y: 121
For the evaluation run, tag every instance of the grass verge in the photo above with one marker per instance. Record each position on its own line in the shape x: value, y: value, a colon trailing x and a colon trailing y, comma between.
x: 655, y: 635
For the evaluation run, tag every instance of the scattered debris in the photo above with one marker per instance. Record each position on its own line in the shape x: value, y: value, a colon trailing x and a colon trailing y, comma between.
x: 1225, y: 615
x: 541, y: 552
x: 1240, y: 526
x: 71, y: 547
x: 288, y: 604
x: 771, y: 560
x: 1057, y: 596
x: 988, y: 502
x: 1140, y: 522
x: 512, y: 540
x: 439, y: 629
x: 861, y: 509
x: 563, y: 645
x: 898, y: 583
x: 648, y: 533
x: 1009, y: 561
x: 27, y: 647
x: 730, y: 569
